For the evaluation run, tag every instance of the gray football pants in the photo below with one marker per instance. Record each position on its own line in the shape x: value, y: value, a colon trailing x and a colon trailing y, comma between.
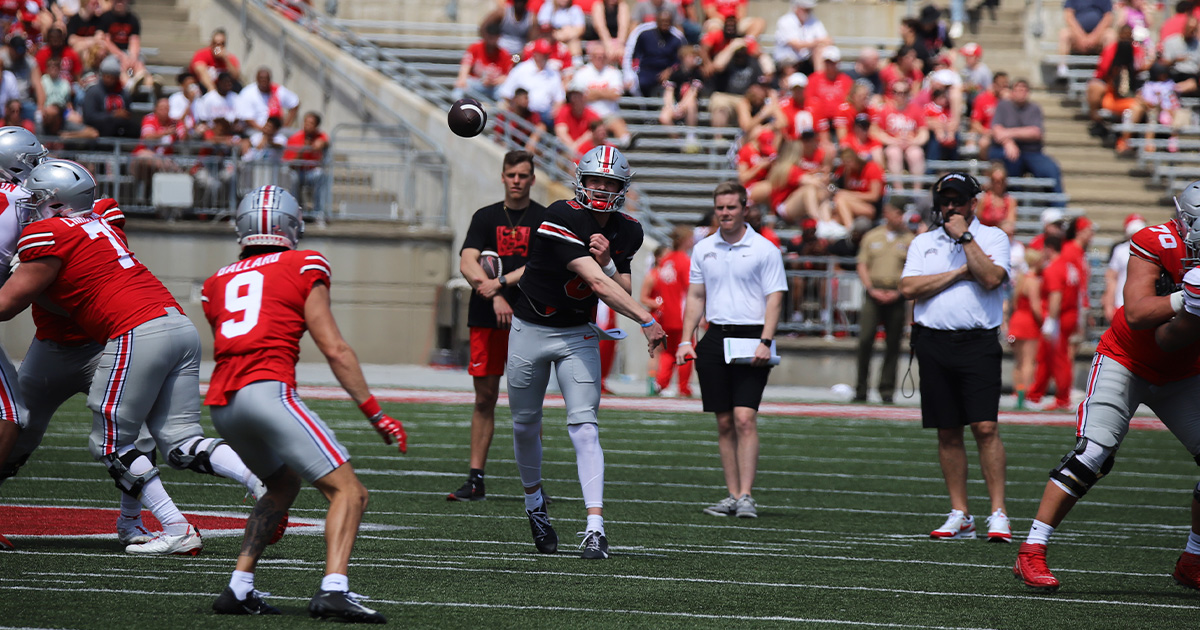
x: 1113, y: 396
x: 575, y: 354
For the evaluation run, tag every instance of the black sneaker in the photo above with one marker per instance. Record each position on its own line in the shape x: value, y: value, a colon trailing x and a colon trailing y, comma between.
x: 342, y: 605
x: 594, y: 546
x: 544, y: 536
x: 229, y: 604
x: 471, y: 490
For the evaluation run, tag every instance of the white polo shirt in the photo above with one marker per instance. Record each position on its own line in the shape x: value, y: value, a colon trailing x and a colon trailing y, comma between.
x: 965, y: 304
x: 545, y: 86
x: 737, y: 277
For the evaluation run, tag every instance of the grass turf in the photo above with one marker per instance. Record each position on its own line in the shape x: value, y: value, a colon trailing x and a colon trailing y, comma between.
x: 845, y: 507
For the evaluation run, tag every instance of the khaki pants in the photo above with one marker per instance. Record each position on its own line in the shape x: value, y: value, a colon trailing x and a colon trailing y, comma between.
x: 891, y: 317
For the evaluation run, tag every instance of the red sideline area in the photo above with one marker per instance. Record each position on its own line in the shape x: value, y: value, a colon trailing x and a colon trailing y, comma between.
x: 677, y: 405
x: 81, y: 522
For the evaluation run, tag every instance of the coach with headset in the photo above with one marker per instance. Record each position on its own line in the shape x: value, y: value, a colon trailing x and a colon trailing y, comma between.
x: 955, y: 272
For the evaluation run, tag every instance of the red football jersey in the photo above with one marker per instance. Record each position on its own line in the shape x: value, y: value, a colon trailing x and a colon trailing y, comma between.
x: 1136, y: 349
x: 102, y: 285
x: 900, y: 123
x: 984, y: 108
x: 870, y: 172
x: 256, y: 309
x: 802, y: 117
x: 829, y: 92
x: 1061, y: 276
x: 57, y: 328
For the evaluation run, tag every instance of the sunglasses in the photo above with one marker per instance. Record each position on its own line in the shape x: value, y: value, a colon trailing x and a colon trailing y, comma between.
x: 953, y: 203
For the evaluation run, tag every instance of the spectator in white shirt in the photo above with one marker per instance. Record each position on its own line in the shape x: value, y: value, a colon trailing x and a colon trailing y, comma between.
x: 263, y: 99
x: 541, y: 80
x: 222, y: 102
x: 567, y: 21
x: 603, y: 85
x: 800, y: 37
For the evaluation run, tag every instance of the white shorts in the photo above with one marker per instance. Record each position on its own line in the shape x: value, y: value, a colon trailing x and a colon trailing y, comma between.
x: 1113, y: 396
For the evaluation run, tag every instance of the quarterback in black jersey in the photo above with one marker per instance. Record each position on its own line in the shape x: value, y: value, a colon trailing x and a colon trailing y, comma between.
x: 580, y: 253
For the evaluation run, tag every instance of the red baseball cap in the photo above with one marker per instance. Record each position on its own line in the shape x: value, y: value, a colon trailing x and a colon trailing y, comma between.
x: 808, y: 223
x: 727, y: 8
x: 1083, y: 223
x: 541, y: 47
x: 1134, y: 217
x: 971, y: 50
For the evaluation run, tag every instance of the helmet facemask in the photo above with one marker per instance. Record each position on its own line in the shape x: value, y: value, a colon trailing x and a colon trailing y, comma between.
x: 598, y: 199
x: 606, y: 162
x: 1187, y: 221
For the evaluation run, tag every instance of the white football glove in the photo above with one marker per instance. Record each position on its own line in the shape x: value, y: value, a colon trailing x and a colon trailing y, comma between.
x: 1178, y: 301
x: 1050, y: 329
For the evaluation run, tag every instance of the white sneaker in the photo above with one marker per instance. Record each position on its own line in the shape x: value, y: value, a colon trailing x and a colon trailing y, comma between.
x: 746, y: 507
x: 186, y: 544
x: 957, y: 526
x: 724, y: 507
x: 131, y: 532
x: 998, y: 527
x: 956, y: 30
x: 669, y: 392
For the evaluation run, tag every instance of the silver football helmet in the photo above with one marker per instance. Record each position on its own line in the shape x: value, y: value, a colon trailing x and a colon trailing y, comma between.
x: 607, y: 162
x: 20, y: 151
x: 1187, y: 219
x: 270, y: 216
x: 59, y: 188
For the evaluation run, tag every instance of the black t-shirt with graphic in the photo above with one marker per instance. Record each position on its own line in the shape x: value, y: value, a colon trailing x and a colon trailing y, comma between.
x: 509, y: 236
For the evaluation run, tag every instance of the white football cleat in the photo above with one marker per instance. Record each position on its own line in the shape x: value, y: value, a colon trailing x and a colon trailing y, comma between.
x: 957, y: 526
x: 998, y: 527
x: 131, y: 532
x: 186, y: 544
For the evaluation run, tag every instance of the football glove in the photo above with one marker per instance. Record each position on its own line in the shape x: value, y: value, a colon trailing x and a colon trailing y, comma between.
x: 1177, y: 301
x: 388, y: 428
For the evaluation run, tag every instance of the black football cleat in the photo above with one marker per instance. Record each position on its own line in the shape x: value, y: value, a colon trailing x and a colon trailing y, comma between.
x: 342, y: 605
x: 229, y: 604
x: 595, y: 546
x: 471, y: 490
x: 544, y: 536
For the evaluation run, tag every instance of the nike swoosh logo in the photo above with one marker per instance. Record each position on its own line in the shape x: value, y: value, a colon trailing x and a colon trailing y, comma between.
x: 476, y: 364
x: 586, y: 337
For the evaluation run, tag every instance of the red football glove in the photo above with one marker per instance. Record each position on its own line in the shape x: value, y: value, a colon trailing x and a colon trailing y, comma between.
x: 389, y: 428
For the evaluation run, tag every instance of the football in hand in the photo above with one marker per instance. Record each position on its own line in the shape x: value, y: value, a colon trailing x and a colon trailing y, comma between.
x: 466, y: 117
x: 490, y: 261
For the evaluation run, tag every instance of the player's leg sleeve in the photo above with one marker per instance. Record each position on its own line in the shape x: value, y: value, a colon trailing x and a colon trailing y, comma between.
x: 589, y: 459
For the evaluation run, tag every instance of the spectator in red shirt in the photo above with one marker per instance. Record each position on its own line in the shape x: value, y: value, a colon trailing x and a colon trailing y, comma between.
x: 158, y: 133
x: 484, y: 66
x: 797, y: 184
x: 997, y: 206
x: 518, y: 108
x: 859, y: 138
x: 860, y: 189
x: 984, y: 107
x: 212, y: 60
x: 572, y: 120
x: 755, y: 158
x: 842, y: 116
x: 306, y: 150
x: 904, y: 67
x: 597, y: 136
x: 1061, y: 284
x: 56, y: 46
x: 943, y: 135
x: 717, y: 12
x: 663, y: 293
x: 829, y: 87
x: 797, y: 113
x: 1115, y: 84
x: 900, y: 127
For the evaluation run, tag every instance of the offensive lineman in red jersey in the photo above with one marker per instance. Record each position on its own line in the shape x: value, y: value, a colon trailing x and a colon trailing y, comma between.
x: 1130, y: 369
x: 259, y: 309
x: 149, y: 373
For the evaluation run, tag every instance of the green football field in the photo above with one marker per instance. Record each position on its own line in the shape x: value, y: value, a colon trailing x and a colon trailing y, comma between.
x: 841, y: 541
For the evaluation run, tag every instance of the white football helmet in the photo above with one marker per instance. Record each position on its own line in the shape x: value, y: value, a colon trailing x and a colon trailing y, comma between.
x: 59, y: 188
x: 1187, y: 219
x: 607, y: 162
x: 270, y: 216
x: 20, y: 151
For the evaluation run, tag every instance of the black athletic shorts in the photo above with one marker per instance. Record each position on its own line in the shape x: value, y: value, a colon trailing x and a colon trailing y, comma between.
x: 960, y: 375
x: 724, y: 386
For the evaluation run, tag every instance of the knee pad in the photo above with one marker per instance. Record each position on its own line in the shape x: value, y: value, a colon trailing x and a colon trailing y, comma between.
x: 10, y: 469
x: 127, y: 481
x: 195, y: 455
x: 1081, y: 468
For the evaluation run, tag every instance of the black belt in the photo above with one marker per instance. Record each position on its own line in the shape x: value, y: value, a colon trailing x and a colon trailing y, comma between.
x: 737, y: 329
x: 956, y: 335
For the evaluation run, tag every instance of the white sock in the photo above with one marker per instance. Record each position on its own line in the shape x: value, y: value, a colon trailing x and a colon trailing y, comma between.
x: 131, y: 507
x: 595, y: 523
x: 1039, y: 533
x: 589, y: 459
x: 241, y: 583
x: 226, y: 463
x: 533, y: 500
x: 1193, y: 544
x: 155, y: 498
x: 335, y: 582
x: 527, y: 450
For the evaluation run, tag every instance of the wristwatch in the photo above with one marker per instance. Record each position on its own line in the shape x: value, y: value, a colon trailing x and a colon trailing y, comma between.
x: 966, y: 237
x: 503, y: 280
x: 766, y: 342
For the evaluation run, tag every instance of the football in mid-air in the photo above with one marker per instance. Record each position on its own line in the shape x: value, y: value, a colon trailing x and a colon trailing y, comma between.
x: 466, y: 117
x: 490, y: 261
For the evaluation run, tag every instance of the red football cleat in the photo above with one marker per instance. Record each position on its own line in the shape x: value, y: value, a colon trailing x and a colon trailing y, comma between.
x: 1187, y: 570
x: 1031, y: 568
x: 5, y: 545
x: 279, y: 529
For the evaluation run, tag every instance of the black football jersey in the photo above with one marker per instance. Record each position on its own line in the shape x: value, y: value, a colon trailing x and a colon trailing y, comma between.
x: 509, y: 234
x: 552, y: 295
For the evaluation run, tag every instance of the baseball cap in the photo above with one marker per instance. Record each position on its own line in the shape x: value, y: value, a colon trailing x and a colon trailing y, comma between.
x: 1051, y: 215
x: 804, y: 4
x: 727, y: 9
x: 796, y: 79
x: 862, y: 120
x: 831, y: 53
x: 541, y: 47
x: 945, y: 76
x: 956, y: 185
x: 766, y: 138
x: 1083, y: 223
x: 110, y: 65
x: 808, y: 223
x: 1134, y: 224
x: 972, y: 50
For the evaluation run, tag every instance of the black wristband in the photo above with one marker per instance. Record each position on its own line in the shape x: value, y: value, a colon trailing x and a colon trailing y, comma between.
x: 766, y: 342
x: 503, y: 280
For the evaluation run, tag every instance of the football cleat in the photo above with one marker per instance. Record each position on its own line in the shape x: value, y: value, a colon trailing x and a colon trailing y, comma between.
x: 724, y: 507
x: 594, y: 545
x: 998, y: 527
x: 5, y: 544
x: 342, y: 605
x: 957, y: 526
x: 746, y: 507
x: 228, y: 604
x: 544, y: 536
x: 186, y: 544
x: 131, y: 532
x: 1031, y: 568
x: 1187, y: 570
x: 471, y: 490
